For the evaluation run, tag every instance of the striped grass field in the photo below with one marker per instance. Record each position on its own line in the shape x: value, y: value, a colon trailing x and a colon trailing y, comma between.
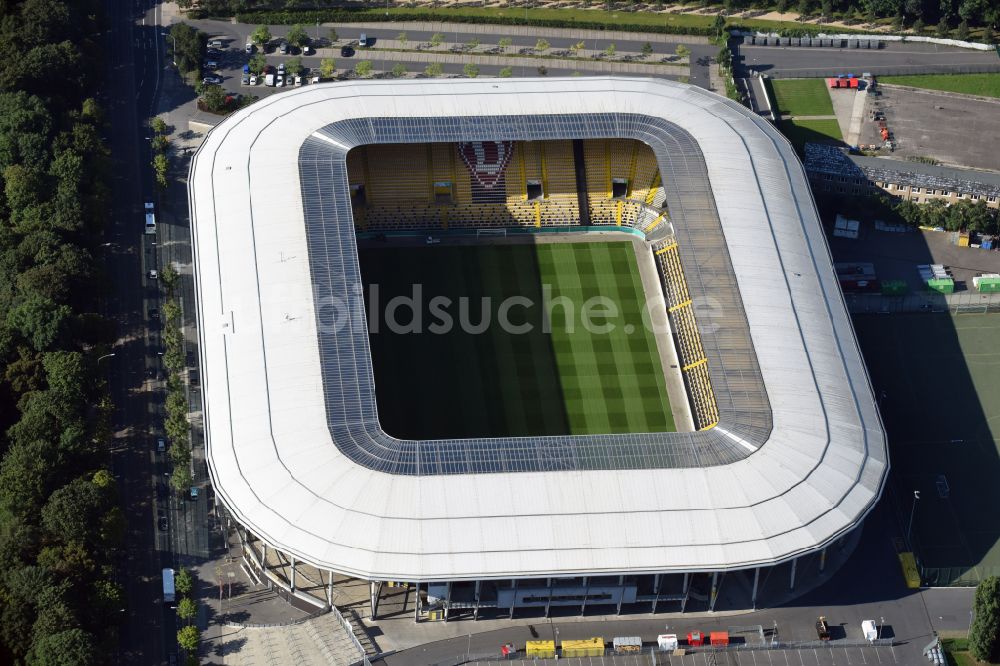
x: 496, y: 382
x: 799, y: 132
x: 802, y: 97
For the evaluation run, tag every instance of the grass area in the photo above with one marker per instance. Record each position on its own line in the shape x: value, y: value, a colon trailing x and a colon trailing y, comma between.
x: 495, y: 382
x: 815, y: 131
x: 802, y: 97
x: 986, y: 85
x: 581, y: 15
x: 941, y: 377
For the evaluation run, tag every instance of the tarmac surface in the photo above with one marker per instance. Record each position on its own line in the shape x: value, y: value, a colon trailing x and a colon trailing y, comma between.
x: 895, y: 58
x: 951, y: 128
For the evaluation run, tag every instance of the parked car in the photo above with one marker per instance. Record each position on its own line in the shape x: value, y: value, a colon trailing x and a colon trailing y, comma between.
x: 279, y: 81
x: 211, y: 64
x: 307, y: 50
x: 245, y: 80
x: 249, y: 47
x: 162, y: 523
x: 212, y: 80
x: 346, y: 51
x: 253, y: 80
x: 298, y: 80
x: 161, y: 445
x: 193, y: 494
x: 283, y: 48
x: 154, y: 313
x: 314, y: 79
x: 215, y: 44
x: 281, y: 68
x: 364, y: 41
x: 153, y: 274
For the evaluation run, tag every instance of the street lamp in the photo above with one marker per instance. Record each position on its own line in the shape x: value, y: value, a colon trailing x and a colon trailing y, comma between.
x: 173, y: 52
x: 913, y: 511
x: 881, y: 621
x: 101, y: 358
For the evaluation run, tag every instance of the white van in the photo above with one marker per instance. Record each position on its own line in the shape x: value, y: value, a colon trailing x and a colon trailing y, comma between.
x: 150, y: 223
x: 364, y: 40
x: 269, y: 79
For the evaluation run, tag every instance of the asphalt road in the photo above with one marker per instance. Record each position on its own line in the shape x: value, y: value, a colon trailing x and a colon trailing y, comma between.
x: 895, y: 58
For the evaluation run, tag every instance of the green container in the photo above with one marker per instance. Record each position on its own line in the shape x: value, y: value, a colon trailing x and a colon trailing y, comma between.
x: 989, y: 285
x: 941, y: 285
x: 894, y: 287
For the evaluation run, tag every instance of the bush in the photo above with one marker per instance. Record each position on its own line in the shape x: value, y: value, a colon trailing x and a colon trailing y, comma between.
x: 985, y: 632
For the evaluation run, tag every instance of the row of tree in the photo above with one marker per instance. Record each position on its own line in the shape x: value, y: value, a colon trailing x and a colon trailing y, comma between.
x: 188, y: 636
x: 60, y: 520
x: 963, y: 215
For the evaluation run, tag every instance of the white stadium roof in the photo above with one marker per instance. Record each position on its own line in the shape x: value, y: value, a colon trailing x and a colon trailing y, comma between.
x: 292, y: 437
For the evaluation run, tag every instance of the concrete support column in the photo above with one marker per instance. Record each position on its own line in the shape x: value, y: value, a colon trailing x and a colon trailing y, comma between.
x: 374, y: 589
x: 447, y: 601
x: 753, y: 595
x: 656, y: 591
x: 684, y: 588
x: 416, y: 605
x: 513, y: 598
x: 291, y: 578
x: 548, y: 584
x: 791, y: 582
x: 715, y: 592
x: 621, y: 592
x: 586, y: 591
x: 475, y: 612
x: 263, y: 556
x: 822, y: 560
x: 329, y: 588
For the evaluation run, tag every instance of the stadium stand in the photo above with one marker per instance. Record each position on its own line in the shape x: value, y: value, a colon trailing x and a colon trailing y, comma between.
x: 694, y: 364
x: 503, y: 184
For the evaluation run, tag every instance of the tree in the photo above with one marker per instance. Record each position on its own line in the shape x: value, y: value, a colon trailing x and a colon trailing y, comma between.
x: 647, y: 49
x: 158, y: 125
x: 805, y: 7
x: 188, y: 638
x: 542, y: 70
x: 39, y: 320
x: 28, y: 472
x: 471, y: 70
x: 297, y: 36
x: 984, y: 635
x: 610, y: 50
x: 294, y: 65
x: 159, y: 143
x: 942, y: 27
x: 161, y: 168
x: 781, y: 6
x: 214, y: 97
x: 71, y: 512
x: 402, y: 39
x: 963, y: 30
x: 504, y: 43
x: 506, y: 72
x: 187, y: 45
x: 327, y: 67
x: 987, y: 34
x: 67, y: 375
x: 579, y: 46
x: 918, y: 26
x: 258, y: 61
x: 180, y: 478
x: 826, y: 8
x: 433, y: 69
x: 333, y: 35
x: 472, y: 45
x: 73, y: 647
x: 184, y: 582
x: 261, y: 35
x: 398, y: 70
x: 542, y: 45
x: 187, y: 609
x: 682, y: 51
x: 363, y: 68
x: 436, y: 40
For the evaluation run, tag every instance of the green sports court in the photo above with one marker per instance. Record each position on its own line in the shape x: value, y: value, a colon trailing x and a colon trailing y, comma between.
x: 940, y: 375
x: 545, y: 375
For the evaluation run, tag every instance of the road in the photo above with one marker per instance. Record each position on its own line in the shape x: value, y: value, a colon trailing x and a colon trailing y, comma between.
x: 895, y: 58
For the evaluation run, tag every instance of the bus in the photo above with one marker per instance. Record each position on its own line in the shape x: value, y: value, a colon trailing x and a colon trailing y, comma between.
x: 168, y: 585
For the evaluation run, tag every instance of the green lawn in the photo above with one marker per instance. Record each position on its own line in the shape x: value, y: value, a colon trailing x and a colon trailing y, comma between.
x: 815, y: 131
x: 458, y: 383
x: 802, y: 97
x: 987, y: 85
x: 941, y: 377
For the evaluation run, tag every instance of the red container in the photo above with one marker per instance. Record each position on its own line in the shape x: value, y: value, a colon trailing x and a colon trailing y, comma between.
x: 719, y: 638
x: 696, y: 638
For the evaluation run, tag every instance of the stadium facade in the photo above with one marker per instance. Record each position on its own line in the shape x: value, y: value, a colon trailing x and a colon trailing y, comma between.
x: 788, y: 455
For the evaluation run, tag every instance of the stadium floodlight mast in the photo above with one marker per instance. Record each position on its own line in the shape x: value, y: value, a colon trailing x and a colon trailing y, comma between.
x: 913, y: 511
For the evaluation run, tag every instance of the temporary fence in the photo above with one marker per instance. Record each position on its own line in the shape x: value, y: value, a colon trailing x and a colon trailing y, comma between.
x: 876, y: 70
x: 362, y: 654
x: 964, y: 302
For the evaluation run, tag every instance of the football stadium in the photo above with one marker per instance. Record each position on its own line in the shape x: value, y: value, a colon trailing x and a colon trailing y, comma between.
x: 524, y: 344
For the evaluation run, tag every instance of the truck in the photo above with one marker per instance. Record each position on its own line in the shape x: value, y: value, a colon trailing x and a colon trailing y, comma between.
x: 269, y: 79
x: 169, y: 594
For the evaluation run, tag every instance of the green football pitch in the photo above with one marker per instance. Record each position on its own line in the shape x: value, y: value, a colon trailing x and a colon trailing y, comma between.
x: 546, y: 373
x: 940, y: 375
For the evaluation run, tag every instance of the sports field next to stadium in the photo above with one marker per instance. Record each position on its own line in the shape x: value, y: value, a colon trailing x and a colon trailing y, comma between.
x: 941, y: 380
x: 537, y: 375
x: 802, y: 97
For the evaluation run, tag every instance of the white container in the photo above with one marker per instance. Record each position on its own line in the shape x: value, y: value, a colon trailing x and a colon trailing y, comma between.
x: 869, y: 630
x: 667, y: 642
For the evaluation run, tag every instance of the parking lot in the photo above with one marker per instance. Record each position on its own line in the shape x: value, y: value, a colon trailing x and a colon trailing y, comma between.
x: 954, y: 129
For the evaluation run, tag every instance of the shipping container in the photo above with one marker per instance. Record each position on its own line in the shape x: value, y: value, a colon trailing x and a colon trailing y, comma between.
x: 941, y: 285
x: 719, y: 638
x: 987, y: 284
x: 894, y: 288
x: 587, y: 647
x: 541, y: 649
x: 626, y: 644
